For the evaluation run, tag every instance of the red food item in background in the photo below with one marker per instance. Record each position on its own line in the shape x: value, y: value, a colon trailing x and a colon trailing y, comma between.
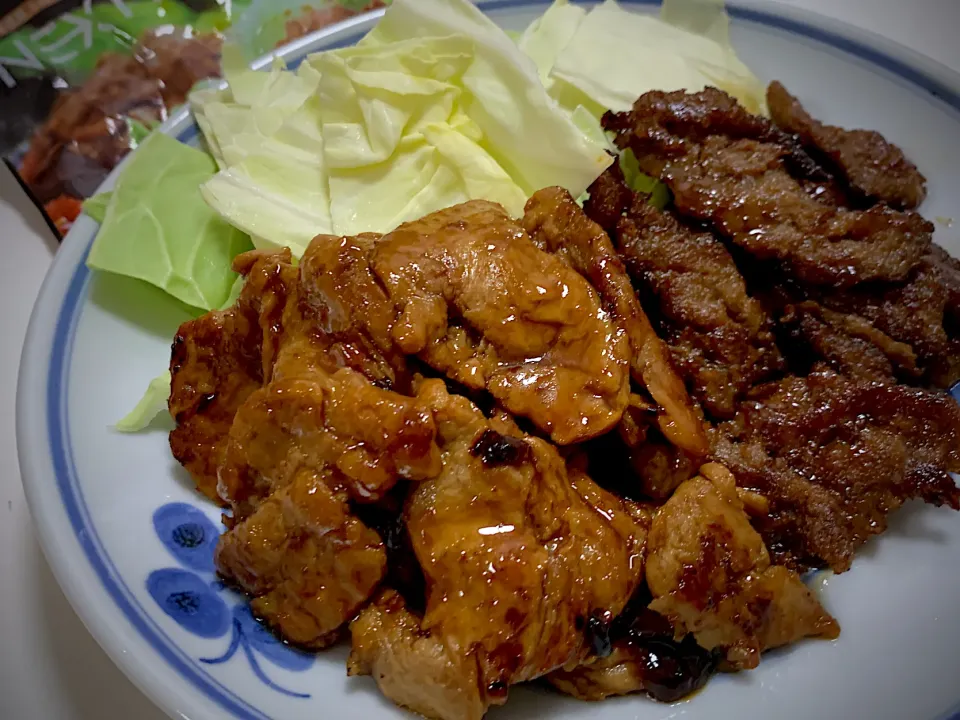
x: 313, y: 19
x: 63, y: 211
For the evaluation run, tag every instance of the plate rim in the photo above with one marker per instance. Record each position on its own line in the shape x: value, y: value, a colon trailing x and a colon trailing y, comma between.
x: 44, y: 371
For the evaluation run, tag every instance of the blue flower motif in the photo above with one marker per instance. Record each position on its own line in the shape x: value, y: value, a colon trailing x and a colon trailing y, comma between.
x: 197, y: 606
x: 269, y: 645
x: 250, y: 635
x: 188, y: 534
x: 190, y: 601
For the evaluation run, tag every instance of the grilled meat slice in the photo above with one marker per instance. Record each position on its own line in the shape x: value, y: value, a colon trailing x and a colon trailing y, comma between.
x: 850, y: 344
x: 872, y: 167
x: 736, y: 172
x: 917, y: 313
x: 833, y: 457
x: 720, y: 338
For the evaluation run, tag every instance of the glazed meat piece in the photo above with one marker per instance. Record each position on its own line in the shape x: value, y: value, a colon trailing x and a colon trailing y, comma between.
x: 478, y: 301
x: 517, y: 554
x: 220, y: 358
x: 873, y: 168
x: 719, y: 337
x: 415, y: 669
x: 299, y: 451
x: 307, y: 562
x: 734, y: 171
x: 710, y: 575
x: 289, y: 457
x: 833, y: 457
x: 361, y: 437
x: 555, y: 221
x: 341, y: 298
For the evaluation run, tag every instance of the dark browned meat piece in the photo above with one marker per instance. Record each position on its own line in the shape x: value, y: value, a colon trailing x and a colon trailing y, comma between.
x: 219, y: 359
x: 710, y: 575
x: 556, y: 222
x: 916, y: 313
x: 609, y: 198
x: 719, y: 337
x: 872, y: 167
x: 733, y: 170
x: 478, y: 301
x: 850, y: 344
x: 949, y: 271
x: 833, y: 457
x: 517, y: 554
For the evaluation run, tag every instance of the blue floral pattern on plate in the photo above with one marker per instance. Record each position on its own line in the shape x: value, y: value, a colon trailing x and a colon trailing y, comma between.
x: 194, y: 598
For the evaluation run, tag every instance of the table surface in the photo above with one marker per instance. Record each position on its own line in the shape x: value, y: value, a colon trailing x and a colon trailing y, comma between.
x: 50, y: 667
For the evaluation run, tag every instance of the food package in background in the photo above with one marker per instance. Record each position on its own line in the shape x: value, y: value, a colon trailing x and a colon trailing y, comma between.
x: 82, y: 82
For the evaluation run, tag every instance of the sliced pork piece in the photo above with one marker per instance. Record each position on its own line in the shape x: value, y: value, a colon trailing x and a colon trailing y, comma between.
x: 479, y: 302
x: 710, y: 575
x: 556, y: 222
x: 736, y: 172
x: 362, y: 438
x: 300, y: 450
x: 220, y: 358
x: 873, y: 168
x: 341, y: 299
x: 518, y: 554
x: 415, y: 669
x: 307, y: 562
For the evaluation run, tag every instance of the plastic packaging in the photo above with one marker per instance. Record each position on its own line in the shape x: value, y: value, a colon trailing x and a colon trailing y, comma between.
x: 83, y: 82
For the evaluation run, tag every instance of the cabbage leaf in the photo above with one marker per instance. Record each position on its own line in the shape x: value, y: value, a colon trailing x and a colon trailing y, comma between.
x: 157, y: 228
x: 612, y: 56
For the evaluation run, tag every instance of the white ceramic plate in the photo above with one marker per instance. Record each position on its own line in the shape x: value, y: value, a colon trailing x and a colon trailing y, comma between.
x: 131, y: 542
